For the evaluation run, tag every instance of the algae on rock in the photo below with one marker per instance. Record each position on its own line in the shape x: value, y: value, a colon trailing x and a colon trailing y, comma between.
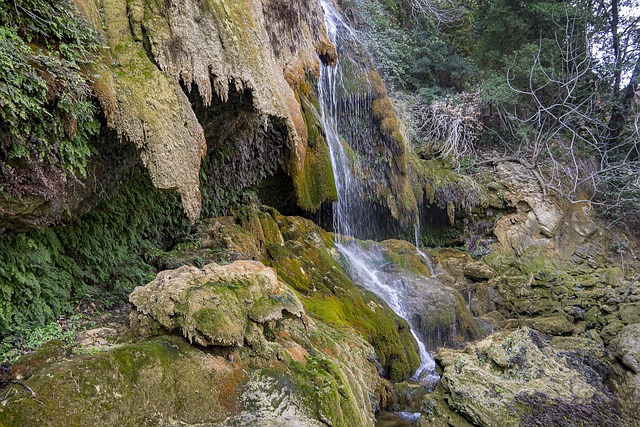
x: 213, y: 305
x: 302, y: 254
x: 266, y: 362
x: 518, y: 379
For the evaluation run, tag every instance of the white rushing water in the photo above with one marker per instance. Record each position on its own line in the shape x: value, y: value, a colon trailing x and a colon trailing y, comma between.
x: 367, y: 269
x: 366, y: 266
x: 424, y: 256
x: 331, y: 79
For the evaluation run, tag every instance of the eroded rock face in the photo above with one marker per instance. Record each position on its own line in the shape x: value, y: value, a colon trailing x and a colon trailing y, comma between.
x: 518, y: 379
x: 435, y: 304
x: 627, y: 347
x: 159, y: 53
x: 543, y: 222
x: 213, y: 305
x: 305, y: 258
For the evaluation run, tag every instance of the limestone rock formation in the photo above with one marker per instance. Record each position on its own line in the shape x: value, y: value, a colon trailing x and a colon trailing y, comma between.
x: 213, y: 305
x: 265, y: 363
x: 166, y: 72
x: 543, y: 222
x: 435, y: 304
x: 627, y: 347
x: 212, y: 48
x: 519, y: 379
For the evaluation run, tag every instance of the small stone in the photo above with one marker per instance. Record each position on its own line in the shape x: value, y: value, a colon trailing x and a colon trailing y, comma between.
x: 630, y: 313
x: 554, y: 325
x: 478, y: 271
x: 627, y: 346
x: 611, y: 330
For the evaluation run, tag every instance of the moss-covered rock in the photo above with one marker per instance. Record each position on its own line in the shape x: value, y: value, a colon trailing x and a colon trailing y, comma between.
x: 627, y: 347
x: 149, y: 383
x: 518, y: 379
x: 630, y: 313
x: 314, y: 183
x: 304, y: 258
x: 263, y: 365
x: 212, y: 305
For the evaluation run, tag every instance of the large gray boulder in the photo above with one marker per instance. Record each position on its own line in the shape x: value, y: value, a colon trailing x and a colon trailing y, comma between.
x: 627, y: 347
x: 519, y: 379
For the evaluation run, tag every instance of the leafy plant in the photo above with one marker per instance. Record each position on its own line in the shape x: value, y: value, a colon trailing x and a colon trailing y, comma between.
x: 29, y: 339
x: 46, y: 108
x: 100, y: 257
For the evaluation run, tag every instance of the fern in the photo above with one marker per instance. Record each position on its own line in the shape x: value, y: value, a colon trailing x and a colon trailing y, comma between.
x: 100, y: 257
x: 46, y: 111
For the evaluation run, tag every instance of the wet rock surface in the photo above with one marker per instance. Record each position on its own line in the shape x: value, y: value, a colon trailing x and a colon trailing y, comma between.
x: 263, y: 353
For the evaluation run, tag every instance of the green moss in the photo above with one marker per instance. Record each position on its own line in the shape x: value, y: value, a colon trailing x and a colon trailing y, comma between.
x: 146, y: 382
x: 314, y: 181
x: 101, y: 256
x: 212, y: 322
x: 47, y: 114
x: 404, y: 256
x: 325, y: 391
x: 299, y: 251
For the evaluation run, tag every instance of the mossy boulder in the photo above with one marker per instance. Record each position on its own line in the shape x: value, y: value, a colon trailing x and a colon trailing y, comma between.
x: 304, y: 258
x: 265, y: 363
x: 630, y: 313
x: 627, y: 347
x: 436, y: 309
x: 149, y: 383
x: 518, y: 379
x: 27, y: 365
x: 405, y: 256
x: 212, y: 305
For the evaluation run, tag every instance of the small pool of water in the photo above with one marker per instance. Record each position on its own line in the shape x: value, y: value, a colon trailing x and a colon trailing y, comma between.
x: 397, y: 419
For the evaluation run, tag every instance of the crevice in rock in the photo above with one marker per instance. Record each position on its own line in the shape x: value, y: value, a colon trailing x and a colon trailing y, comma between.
x: 146, y: 44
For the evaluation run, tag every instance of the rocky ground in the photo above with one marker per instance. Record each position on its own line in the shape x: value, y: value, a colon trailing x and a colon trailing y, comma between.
x: 256, y: 322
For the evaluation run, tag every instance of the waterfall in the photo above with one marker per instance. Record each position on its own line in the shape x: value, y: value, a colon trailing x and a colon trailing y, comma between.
x: 348, y: 187
x: 352, y: 215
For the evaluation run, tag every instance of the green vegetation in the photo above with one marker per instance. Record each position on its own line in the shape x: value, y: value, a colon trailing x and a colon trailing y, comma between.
x: 410, y: 51
x: 549, y: 83
x: 31, y: 339
x: 314, y: 183
x: 100, y: 257
x: 105, y: 388
x: 46, y: 109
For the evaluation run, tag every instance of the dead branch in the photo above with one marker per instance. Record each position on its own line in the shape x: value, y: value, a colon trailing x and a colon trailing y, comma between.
x: 443, y: 11
x: 450, y: 126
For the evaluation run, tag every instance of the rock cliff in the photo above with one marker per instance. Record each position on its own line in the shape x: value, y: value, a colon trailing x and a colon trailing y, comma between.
x: 161, y: 52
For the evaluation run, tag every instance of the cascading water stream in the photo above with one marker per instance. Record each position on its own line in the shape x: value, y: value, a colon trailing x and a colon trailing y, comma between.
x: 348, y: 213
x: 366, y: 267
